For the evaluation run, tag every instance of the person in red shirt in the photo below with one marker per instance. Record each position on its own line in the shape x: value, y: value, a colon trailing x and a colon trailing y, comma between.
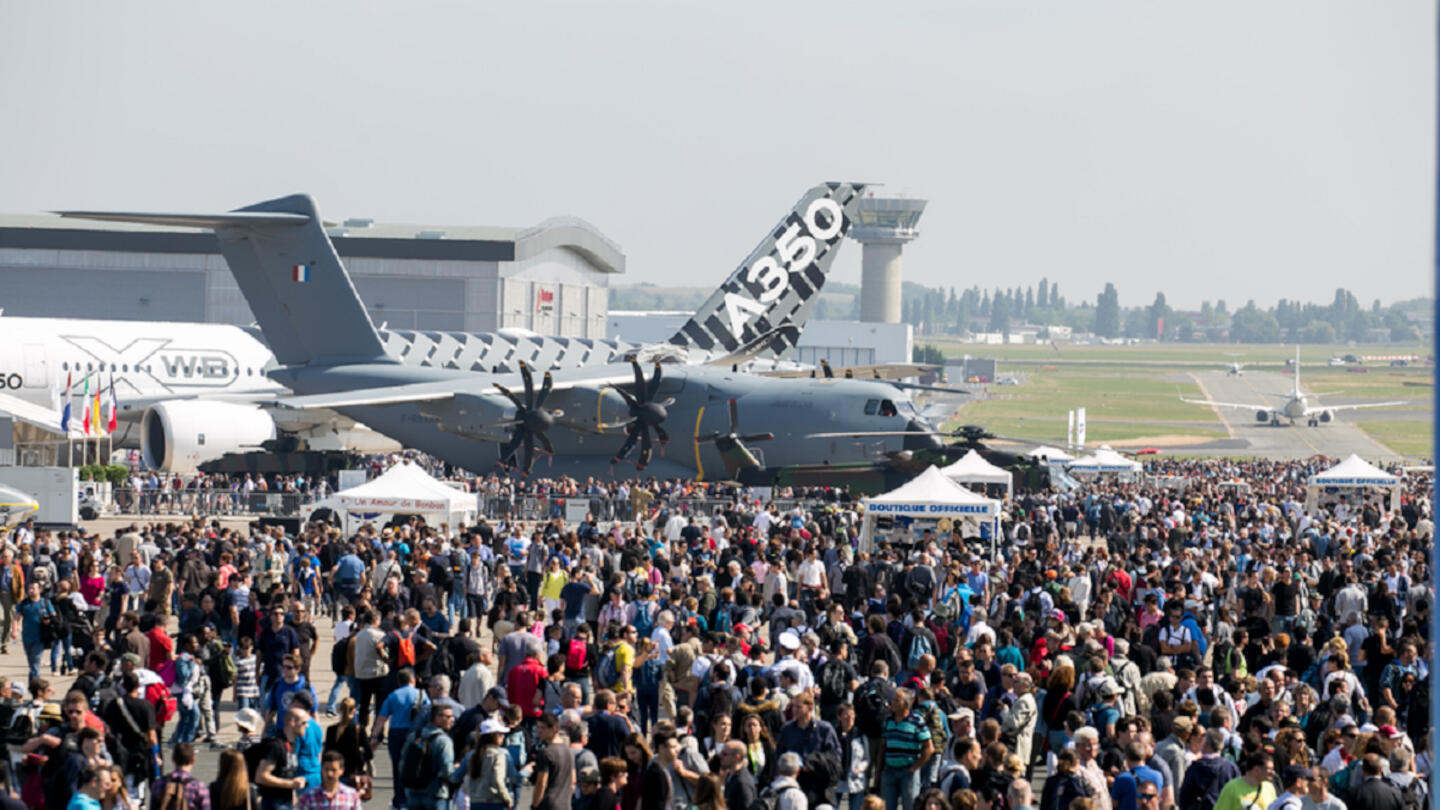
x: 523, y: 684
x: 162, y: 648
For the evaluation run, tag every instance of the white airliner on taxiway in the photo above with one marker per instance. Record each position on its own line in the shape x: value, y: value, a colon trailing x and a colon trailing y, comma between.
x: 1296, y: 405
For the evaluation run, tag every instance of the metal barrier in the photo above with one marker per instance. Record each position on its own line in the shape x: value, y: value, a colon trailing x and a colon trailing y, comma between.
x: 545, y: 507
x: 210, y: 502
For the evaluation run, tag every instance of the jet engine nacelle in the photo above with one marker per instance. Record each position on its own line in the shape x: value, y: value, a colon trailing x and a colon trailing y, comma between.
x: 180, y: 435
x: 1262, y: 416
x: 473, y: 416
x: 1326, y: 416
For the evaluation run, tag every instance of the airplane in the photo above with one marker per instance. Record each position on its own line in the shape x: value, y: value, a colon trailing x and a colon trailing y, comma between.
x: 586, y: 421
x: 1296, y: 406
x: 1236, y: 369
x: 190, y: 393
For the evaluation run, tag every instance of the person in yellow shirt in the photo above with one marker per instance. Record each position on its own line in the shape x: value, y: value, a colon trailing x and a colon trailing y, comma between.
x: 1253, y: 789
x: 625, y: 659
x: 554, y: 580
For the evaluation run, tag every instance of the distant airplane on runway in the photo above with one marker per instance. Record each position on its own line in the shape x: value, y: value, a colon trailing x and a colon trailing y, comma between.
x: 1296, y: 405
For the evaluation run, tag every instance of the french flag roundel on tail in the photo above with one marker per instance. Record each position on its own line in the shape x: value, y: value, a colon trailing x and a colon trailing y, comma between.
x: 300, y: 272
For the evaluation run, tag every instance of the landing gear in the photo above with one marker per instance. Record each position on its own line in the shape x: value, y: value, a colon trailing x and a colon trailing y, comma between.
x: 1313, y: 422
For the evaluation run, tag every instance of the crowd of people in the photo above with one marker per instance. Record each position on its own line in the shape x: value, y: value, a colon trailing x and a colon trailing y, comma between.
x: 1192, y: 639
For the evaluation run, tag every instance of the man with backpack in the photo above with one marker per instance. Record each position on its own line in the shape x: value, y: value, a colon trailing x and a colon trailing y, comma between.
x: 872, y: 702
x: 426, y: 762
x: 397, y: 711
x: 837, y: 679
x: 179, y: 790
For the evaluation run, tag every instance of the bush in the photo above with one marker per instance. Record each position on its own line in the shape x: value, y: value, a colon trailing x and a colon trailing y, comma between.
x: 117, y: 474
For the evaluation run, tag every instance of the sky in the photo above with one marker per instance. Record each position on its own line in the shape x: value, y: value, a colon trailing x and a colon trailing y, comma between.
x: 1224, y: 149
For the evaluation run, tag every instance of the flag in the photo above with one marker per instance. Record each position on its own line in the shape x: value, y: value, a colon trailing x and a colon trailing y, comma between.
x: 1080, y: 426
x: 1070, y: 430
x: 95, y: 408
x: 85, y: 406
x: 300, y: 272
x: 65, y: 415
x: 112, y: 409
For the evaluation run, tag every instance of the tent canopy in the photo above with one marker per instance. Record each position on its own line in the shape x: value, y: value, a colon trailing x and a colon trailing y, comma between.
x: 1354, y: 472
x: 405, y: 488
x: 1104, y: 460
x: 975, y: 467
x: 1050, y: 454
x: 931, y: 494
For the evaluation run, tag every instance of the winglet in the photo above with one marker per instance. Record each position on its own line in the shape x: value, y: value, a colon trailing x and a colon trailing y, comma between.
x: 779, y: 281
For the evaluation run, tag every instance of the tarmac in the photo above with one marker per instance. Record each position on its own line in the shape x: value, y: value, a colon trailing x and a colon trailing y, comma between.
x: 1339, y: 437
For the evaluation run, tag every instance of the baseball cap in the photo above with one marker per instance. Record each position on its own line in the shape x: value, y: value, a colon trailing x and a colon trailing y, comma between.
x: 499, y: 693
x: 1390, y: 732
x: 789, y: 640
x: 1292, y: 773
x: 132, y: 658
x: 493, y: 727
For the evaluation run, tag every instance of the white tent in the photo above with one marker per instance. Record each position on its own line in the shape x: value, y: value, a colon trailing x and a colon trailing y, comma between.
x: 404, y: 489
x: 1050, y: 454
x: 976, y: 469
x: 1105, y: 461
x: 930, y: 496
x: 1347, y: 483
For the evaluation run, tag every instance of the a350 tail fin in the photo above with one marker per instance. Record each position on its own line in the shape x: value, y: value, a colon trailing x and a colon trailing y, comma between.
x: 290, y: 275
x: 779, y: 281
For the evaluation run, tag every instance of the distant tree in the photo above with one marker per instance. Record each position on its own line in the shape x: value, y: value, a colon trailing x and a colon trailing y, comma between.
x: 1055, y: 299
x: 1107, y: 312
x: 1000, y: 315
x: 1029, y: 300
x: 1220, y: 307
x: 1253, y: 325
x: 1157, y: 314
x: 928, y: 354
x: 1186, y: 330
x: 985, y: 304
x: 1042, y: 294
x: 1317, y: 332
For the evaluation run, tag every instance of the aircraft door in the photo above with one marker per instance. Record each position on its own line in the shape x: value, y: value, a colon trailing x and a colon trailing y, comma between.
x: 37, y: 368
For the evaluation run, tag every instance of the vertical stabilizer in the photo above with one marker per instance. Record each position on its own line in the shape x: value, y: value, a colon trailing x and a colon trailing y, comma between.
x: 778, y: 283
x: 291, y: 277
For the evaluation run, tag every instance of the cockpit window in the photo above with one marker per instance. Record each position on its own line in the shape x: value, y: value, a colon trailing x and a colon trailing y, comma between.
x: 887, y: 408
x: 872, y: 406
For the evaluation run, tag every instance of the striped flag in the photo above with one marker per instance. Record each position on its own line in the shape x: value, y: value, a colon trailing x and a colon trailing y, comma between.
x: 95, y: 407
x: 85, y: 406
x: 112, y: 409
x: 65, y: 415
x: 300, y: 272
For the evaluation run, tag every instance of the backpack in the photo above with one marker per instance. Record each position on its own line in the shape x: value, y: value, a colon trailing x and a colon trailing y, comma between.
x: 404, y: 650
x: 939, y: 727
x: 647, y: 676
x: 223, y: 671
x: 174, y: 796
x: 442, y: 661
x: 444, y: 575
x: 870, y: 705
x: 644, y: 618
x: 575, y: 655
x: 919, y: 646
x: 457, y: 564
x: 833, y: 683
x: 158, y: 694
x: 52, y: 625
x: 606, y: 673
x: 1032, y: 604
x: 769, y: 798
x: 417, y: 767
x: 1410, y: 796
x: 949, y: 607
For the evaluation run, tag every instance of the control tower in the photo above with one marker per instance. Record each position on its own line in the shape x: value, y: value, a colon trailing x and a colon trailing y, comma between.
x: 884, y: 225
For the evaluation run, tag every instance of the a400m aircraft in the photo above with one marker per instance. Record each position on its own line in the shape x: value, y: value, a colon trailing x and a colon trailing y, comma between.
x: 684, y: 420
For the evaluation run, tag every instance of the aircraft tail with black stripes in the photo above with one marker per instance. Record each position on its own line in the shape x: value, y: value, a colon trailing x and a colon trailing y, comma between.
x: 762, y: 307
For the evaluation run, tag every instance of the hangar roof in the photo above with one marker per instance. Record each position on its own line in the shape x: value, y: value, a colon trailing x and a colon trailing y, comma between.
x: 353, y: 237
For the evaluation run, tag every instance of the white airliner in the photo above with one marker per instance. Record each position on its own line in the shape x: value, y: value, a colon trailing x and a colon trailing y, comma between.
x: 1296, y: 406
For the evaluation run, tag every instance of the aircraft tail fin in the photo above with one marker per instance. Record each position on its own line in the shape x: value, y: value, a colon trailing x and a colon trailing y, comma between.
x: 779, y: 282
x: 290, y: 275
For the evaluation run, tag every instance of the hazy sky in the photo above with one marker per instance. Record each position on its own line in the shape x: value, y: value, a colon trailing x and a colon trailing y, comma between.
x: 1216, y: 149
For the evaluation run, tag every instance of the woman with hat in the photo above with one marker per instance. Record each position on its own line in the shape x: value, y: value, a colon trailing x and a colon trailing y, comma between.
x: 486, y: 769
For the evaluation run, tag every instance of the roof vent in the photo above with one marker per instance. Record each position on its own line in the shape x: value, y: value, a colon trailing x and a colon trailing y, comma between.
x: 430, y: 235
x: 359, y: 222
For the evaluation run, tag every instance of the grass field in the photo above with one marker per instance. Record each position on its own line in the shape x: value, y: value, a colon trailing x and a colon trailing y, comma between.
x: 1119, y: 405
x: 1410, y: 438
x: 1130, y: 392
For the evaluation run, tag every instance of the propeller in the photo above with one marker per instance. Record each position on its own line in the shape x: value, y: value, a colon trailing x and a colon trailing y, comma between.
x: 646, y: 415
x: 531, y: 420
x: 725, y: 442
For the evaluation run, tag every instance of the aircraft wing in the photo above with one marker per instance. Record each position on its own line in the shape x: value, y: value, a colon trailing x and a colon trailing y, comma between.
x: 30, y: 413
x: 1355, y: 407
x: 1252, y: 406
x: 425, y: 392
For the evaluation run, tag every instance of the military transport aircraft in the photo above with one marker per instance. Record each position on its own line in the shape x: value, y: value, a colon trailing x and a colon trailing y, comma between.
x: 585, y: 420
x: 188, y: 394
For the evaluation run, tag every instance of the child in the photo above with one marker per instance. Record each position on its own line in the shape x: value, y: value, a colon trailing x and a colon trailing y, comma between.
x: 247, y: 689
x: 518, y: 747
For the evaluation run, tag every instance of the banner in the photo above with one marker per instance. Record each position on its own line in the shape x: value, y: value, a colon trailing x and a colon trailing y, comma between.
x: 1070, y: 430
x: 1080, y: 427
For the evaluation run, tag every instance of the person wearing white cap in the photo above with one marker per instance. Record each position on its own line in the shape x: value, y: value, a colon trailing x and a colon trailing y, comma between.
x: 485, y: 769
x: 787, y: 662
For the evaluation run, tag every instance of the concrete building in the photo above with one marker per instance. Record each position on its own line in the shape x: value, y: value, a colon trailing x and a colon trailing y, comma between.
x: 841, y: 343
x: 553, y: 278
x: 883, y: 226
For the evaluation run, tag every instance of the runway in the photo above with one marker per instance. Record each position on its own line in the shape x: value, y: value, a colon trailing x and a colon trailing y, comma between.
x: 1339, y: 437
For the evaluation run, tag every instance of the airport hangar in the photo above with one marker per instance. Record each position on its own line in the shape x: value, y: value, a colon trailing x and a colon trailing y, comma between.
x: 552, y: 278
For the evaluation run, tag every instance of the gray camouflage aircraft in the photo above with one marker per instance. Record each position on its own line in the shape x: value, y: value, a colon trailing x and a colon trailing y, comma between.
x: 585, y: 420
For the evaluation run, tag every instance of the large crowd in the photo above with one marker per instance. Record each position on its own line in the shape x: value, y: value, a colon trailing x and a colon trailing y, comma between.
x: 1195, y: 639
